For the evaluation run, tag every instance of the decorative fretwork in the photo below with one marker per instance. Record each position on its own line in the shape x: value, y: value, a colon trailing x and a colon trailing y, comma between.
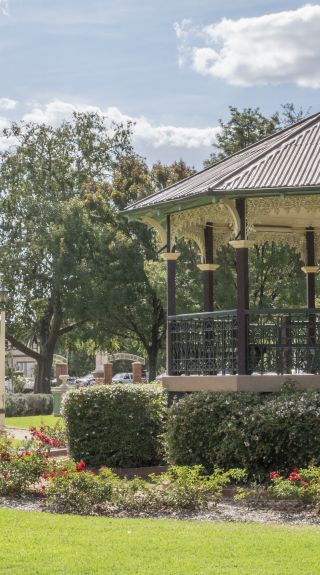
x: 293, y: 239
x: 204, y: 344
x: 284, y: 341
x: 259, y: 207
x: 260, y: 211
x: 190, y: 224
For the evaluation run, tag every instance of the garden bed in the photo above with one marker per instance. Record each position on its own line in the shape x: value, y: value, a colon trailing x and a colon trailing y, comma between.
x: 227, y: 510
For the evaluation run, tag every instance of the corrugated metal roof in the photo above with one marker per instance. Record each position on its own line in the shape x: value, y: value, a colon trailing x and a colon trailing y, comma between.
x: 287, y: 159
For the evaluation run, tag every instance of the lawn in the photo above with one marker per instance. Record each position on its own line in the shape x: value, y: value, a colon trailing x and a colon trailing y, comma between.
x: 25, y: 422
x: 34, y: 543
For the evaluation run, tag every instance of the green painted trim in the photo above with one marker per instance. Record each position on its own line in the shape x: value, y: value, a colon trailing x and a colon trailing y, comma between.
x: 160, y: 211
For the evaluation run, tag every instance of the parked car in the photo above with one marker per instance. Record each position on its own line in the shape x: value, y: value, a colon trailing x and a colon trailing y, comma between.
x: 86, y: 380
x: 122, y: 378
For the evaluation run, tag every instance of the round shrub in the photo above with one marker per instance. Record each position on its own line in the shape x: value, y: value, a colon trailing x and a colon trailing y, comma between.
x: 197, y: 428
x: 259, y: 433
x: 28, y: 404
x: 115, y: 425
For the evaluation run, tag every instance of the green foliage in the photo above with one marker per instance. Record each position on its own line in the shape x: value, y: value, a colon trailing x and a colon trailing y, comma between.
x: 244, y: 127
x: 55, y: 226
x: 70, y: 491
x: 301, y: 484
x: 18, y: 382
x: 275, y: 277
x: 134, y: 310
x: 19, y: 471
x: 50, y: 435
x: 28, y: 404
x: 180, y: 488
x: 116, y: 425
x: 245, y: 430
x: 190, y: 488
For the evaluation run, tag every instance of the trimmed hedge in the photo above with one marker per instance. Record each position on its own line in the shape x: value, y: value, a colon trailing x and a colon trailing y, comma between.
x: 259, y: 433
x: 28, y: 404
x: 115, y: 425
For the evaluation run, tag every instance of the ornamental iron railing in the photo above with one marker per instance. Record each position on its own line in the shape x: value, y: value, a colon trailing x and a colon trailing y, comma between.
x: 204, y: 343
x: 284, y: 341
x: 279, y: 341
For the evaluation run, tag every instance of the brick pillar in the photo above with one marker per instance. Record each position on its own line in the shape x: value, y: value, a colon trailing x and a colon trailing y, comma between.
x: 108, y: 372
x: 136, y: 372
x: 61, y: 369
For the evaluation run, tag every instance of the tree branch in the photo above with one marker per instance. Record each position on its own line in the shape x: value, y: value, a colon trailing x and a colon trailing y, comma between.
x: 22, y: 347
x: 70, y: 327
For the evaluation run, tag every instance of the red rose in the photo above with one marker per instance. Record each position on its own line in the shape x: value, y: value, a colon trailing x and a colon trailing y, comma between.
x: 46, y: 475
x: 305, y: 484
x: 5, y: 474
x: 296, y: 469
x: 274, y: 475
x: 81, y: 465
x: 294, y: 477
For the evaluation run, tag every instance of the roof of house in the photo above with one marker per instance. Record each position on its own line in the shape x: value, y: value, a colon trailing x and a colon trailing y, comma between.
x: 288, y: 159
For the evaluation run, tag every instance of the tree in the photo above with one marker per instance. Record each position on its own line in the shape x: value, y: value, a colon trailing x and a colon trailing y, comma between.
x: 243, y: 128
x: 51, y: 237
x: 132, y: 309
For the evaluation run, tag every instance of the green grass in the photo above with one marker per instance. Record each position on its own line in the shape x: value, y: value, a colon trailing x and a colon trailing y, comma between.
x: 23, y: 422
x: 33, y: 543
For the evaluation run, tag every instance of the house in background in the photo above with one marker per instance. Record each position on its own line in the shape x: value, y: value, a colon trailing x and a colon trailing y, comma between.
x: 18, y: 361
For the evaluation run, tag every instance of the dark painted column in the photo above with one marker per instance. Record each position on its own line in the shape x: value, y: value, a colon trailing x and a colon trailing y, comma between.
x: 310, y: 277
x: 171, y: 296
x: 242, y: 291
x: 208, y: 274
x: 311, y: 298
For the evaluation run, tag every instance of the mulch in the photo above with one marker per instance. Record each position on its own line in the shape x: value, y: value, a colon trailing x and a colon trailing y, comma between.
x: 275, y: 513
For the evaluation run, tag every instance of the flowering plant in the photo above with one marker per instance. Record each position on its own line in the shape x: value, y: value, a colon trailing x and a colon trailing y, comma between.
x: 300, y: 484
x: 20, y: 470
x: 50, y: 436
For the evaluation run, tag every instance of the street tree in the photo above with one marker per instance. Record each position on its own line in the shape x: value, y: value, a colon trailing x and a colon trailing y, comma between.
x: 133, y: 315
x: 51, y: 184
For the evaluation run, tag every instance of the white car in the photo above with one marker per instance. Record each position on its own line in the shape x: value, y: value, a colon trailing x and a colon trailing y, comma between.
x: 122, y: 378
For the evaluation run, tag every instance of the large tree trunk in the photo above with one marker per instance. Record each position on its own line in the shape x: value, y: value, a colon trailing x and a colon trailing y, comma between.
x: 50, y: 331
x: 152, y: 361
x: 43, y: 374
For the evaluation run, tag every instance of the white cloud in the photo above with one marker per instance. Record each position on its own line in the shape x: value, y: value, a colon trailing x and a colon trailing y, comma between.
x: 8, y: 104
x: 4, y: 7
x: 282, y: 47
x: 144, y: 129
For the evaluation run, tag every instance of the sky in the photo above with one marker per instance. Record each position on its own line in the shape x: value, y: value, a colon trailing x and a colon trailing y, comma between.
x: 171, y: 66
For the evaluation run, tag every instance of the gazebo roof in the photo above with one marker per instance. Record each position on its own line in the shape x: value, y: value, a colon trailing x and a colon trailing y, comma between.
x: 285, y: 161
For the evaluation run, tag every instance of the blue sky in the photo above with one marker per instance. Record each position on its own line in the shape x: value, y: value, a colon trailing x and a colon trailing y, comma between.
x: 173, y: 66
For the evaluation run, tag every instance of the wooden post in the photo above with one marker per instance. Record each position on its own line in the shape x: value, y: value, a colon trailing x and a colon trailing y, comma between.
x: 171, y: 296
x: 208, y: 274
x: 310, y: 270
x: 242, y: 291
x: 310, y: 276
